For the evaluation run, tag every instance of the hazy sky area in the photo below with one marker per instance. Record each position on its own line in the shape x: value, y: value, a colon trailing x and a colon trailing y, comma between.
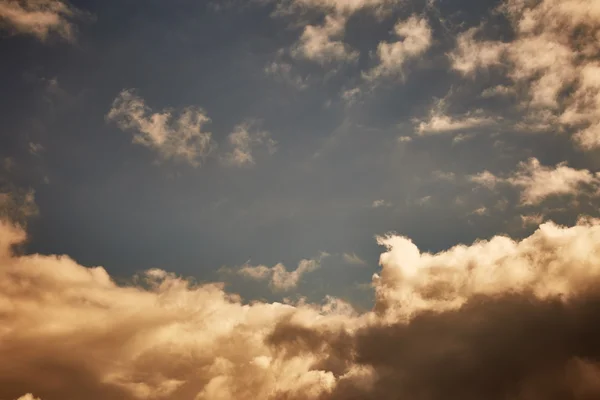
x: 385, y: 184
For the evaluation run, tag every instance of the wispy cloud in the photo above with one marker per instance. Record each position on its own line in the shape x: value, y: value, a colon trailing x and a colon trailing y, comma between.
x: 244, y: 139
x: 280, y: 279
x: 180, y: 138
x: 415, y: 39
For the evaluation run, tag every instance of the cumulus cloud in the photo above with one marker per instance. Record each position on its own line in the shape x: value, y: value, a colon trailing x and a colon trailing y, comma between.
x: 538, y: 182
x: 181, y: 138
x: 244, y: 140
x: 39, y: 18
x: 279, y: 277
x: 551, y: 63
x: 452, y: 318
x: 321, y: 44
x: 411, y: 280
x: 415, y: 39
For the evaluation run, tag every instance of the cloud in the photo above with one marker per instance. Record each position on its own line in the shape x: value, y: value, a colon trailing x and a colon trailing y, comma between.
x: 485, y: 178
x: 28, y: 396
x: 451, y: 318
x: 439, y: 122
x: 342, y: 7
x: 279, y: 277
x: 179, y: 138
x: 471, y: 54
x: 353, y: 259
x: 444, y: 176
x: 282, y: 71
x: 538, y: 182
x: 324, y: 43
x: 551, y: 63
x: 39, y: 18
x: 415, y: 35
x: 351, y: 96
x: 321, y: 45
x: 381, y: 203
x: 498, y: 90
x: 412, y: 281
x: 244, y: 139
x: 532, y: 220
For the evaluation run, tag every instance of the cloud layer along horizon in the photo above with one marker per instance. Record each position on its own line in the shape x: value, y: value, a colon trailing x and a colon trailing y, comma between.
x: 498, y: 319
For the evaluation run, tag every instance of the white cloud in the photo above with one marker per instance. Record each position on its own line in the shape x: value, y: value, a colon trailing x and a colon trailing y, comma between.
x: 244, y: 139
x: 179, y: 138
x: 551, y: 62
x: 412, y: 281
x: 471, y: 54
x: 282, y: 71
x: 381, y: 203
x: 439, y: 123
x: 39, y: 18
x: 342, y: 7
x: 35, y: 148
x: 538, y: 182
x: 353, y: 259
x: 280, y: 279
x: 321, y: 44
x: 486, y: 178
x: 480, y: 211
x: 444, y: 176
x: 416, y: 36
x: 498, y: 90
x: 351, y: 96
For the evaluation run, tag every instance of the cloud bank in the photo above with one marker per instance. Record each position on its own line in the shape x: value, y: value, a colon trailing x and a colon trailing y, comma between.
x: 499, y: 319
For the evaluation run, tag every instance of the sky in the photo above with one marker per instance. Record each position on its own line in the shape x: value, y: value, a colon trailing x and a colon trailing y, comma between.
x: 299, y: 199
